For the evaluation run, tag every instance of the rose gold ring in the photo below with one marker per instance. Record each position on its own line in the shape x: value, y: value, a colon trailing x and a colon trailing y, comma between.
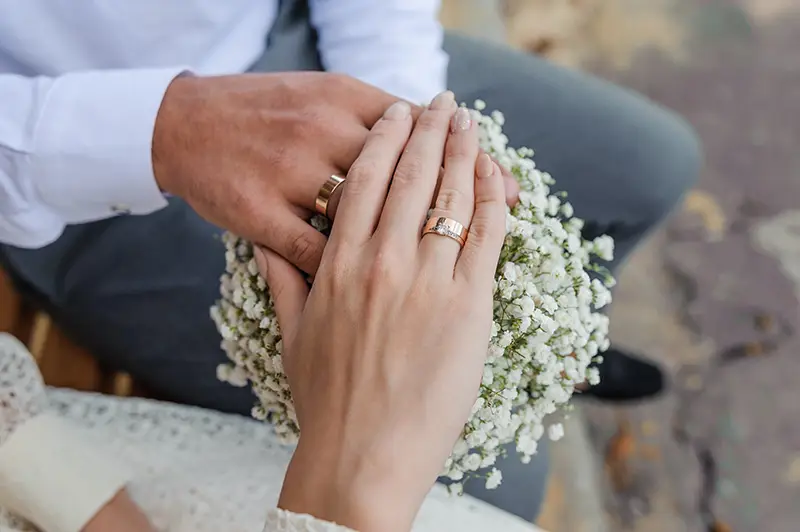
x: 325, y: 194
x: 448, y: 227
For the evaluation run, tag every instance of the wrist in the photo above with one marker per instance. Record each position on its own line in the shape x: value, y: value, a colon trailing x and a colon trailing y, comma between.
x: 121, y: 514
x: 46, y: 458
x: 171, y: 130
x: 364, y: 493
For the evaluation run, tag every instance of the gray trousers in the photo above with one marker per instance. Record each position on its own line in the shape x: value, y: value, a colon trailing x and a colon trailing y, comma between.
x: 136, y: 290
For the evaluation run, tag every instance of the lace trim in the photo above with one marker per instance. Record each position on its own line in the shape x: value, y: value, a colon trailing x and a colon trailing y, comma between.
x: 279, y: 520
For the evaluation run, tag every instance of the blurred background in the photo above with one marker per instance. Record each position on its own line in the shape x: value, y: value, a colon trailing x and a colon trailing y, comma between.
x: 713, y: 296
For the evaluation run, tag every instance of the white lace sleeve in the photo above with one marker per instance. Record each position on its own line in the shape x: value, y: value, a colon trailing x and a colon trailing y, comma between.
x: 282, y: 521
x: 198, y: 470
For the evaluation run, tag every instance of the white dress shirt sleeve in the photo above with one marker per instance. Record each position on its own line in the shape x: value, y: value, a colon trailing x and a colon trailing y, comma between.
x: 393, y: 44
x: 76, y: 148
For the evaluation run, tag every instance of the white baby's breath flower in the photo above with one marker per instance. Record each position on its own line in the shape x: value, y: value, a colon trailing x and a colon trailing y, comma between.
x: 545, y: 334
x: 494, y: 479
x: 556, y: 431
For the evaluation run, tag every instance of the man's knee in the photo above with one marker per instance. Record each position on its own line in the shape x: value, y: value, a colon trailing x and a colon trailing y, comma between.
x: 668, y: 163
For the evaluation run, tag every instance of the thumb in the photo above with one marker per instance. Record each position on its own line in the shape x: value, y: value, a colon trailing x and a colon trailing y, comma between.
x: 286, y: 285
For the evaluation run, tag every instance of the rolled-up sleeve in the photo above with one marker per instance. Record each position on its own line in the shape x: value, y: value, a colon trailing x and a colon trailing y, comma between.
x: 77, y: 148
x: 393, y: 44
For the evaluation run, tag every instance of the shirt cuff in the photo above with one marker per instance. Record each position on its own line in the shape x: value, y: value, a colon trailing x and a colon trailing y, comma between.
x: 92, y: 155
x: 54, y: 477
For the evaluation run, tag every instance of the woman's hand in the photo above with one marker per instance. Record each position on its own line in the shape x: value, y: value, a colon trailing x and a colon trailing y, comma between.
x: 385, y: 355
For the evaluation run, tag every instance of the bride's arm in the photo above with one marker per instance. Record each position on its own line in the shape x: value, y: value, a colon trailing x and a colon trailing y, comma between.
x: 53, y: 476
x: 50, y: 472
x: 390, y: 344
x: 120, y: 515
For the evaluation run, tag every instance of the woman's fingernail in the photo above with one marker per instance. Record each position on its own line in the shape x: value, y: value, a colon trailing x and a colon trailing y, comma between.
x: 484, y: 167
x: 461, y: 121
x: 445, y: 100
x: 397, y: 111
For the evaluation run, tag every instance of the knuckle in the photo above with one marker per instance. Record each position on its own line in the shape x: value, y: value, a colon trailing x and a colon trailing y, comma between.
x: 386, y: 270
x: 276, y: 290
x: 338, y: 274
x: 477, y: 231
x: 473, y: 244
x: 302, y: 249
x: 408, y: 171
x: 337, y: 81
x: 449, y: 199
x: 491, y: 201
x: 279, y: 156
x: 487, y: 227
x: 305, y: 126
x: 362, y: 171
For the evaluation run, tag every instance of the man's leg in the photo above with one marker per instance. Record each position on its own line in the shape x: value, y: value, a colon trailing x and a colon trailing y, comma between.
x: 136, y: 292
x: 623, y: 161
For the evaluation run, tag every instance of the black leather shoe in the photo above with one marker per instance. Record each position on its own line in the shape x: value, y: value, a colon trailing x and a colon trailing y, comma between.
x: 624, y: 377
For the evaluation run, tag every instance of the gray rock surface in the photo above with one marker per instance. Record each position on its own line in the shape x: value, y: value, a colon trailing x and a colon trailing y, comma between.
x: 715, y: 296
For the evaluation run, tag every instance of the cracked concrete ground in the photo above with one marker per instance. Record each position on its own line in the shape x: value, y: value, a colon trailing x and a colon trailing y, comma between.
x: 714, y: 296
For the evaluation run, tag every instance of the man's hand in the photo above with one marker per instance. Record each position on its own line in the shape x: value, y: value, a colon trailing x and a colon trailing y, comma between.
x: 250, y: 152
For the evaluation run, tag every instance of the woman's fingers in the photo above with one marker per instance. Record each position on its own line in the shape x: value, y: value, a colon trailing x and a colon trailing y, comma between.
x: 456, y: 195
x: 478, y: 260
x: 286, y: 285
x: 368, y: 179
x: 345, y: 146
x: 415, y: 177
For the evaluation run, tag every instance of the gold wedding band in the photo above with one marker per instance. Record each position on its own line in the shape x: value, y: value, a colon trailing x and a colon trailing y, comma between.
x: 448, y: 227
x: 325, y: 194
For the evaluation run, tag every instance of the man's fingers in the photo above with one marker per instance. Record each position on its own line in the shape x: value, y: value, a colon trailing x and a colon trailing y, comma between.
x: 298, y: 242
x: 511, y: 185
x: 286, y: 285
x: 332, y: 155
x: 512, y: 188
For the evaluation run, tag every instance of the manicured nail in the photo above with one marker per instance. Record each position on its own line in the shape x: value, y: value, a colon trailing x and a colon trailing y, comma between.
x: 484, y: 167
x: 445, y: 100
x: 461, y: 121
x: 397, y: 111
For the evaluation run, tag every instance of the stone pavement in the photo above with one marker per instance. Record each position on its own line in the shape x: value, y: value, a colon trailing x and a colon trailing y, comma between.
x: 715, y: 295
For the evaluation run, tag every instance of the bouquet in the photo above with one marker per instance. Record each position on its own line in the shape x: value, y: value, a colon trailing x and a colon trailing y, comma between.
x: 546, y: 331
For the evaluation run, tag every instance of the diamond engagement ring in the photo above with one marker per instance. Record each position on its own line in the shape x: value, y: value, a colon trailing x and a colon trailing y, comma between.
x: 441, y: 225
